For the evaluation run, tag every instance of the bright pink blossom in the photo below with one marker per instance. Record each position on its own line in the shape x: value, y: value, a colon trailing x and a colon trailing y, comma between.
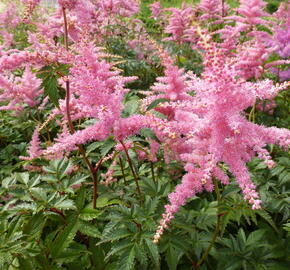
x: 210, y: 128
x: 19, y: 92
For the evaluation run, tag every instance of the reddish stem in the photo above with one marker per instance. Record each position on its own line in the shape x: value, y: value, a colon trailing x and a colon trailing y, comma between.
x: 223, y: 8
x: 132, y: 169
x: 69, y: 120
x: 95, y: 191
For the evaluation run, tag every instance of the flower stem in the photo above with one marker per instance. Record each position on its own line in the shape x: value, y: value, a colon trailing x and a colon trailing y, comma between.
x: 65, y: 29
x: 223, y: 8
x: 93, y: 171
x: 152, y: 171
x: 122, y: 169
x: 136, y: 178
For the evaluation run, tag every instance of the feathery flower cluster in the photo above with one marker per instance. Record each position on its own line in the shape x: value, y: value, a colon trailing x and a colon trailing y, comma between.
x: 280, y: 40
x: 124, y: 8
x: 20, y: 91
x: 252, y: 12
x: 216, y: 127
x: 252, y: 56
x: 9, y: 19
x: 179, y: 21
x: 69, y: 4
x: 34, y: 150
x: 211, y: 9
x: 156, y: 9
x: 29, y: 8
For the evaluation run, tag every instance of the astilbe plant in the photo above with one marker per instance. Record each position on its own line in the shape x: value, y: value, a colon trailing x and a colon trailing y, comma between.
x: 210, y: 128
x: 204, y: 124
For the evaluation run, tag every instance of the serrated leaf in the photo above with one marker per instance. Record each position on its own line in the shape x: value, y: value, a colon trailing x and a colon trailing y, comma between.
x: 131, y: 107
x: 141, y: 256
x: 118, y: 247
x: 103, y: 201
x: 127, y: 260
x: 156, y: 102
x: 89, y: 229
x: 88, y: 214
x: 268, y: 218
x: 34, y: 181
x: 39, y: 194
x: 35, y: 225
x: 172, y: 257
x: 25, y: 206
x: 147, y: 132
x: 153, y: 251
x: 107, y: 146
x: 117, y: 234
x: 50, y: 86
x: 22, y: 178
x: 255, y: 238
x: 6, y: 182
x: 77, y: 180
x: 81, y: 197
x: 62, y: 167
x: 64, y: 238
x: 64, y: 204
x: 93, y: 146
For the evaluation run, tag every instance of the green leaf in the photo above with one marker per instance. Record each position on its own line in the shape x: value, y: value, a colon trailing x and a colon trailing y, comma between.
x: 25, y: 264
x: 22, y: 178
x: 50, y: 86
x: 103, y: 201
x: 255, y: 238
x: 141, y: 256
x: 63, y: 166
x: 39, y: 194
x: 156, y: 102
x: 64, y: 204
x: 172, y: 257
x: 265, y: 215
x: 89, y: 214
x: 81, y: 198
x: 89, y: 229
x: 107, y: 146
x: 118, y: 247
x: 117, y: 234
x: 131, y: 107
x: 153, y: 251
x: 35, y: 225
x: 64, y: 238
x: 127, y: 259
x: 148, y: 133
